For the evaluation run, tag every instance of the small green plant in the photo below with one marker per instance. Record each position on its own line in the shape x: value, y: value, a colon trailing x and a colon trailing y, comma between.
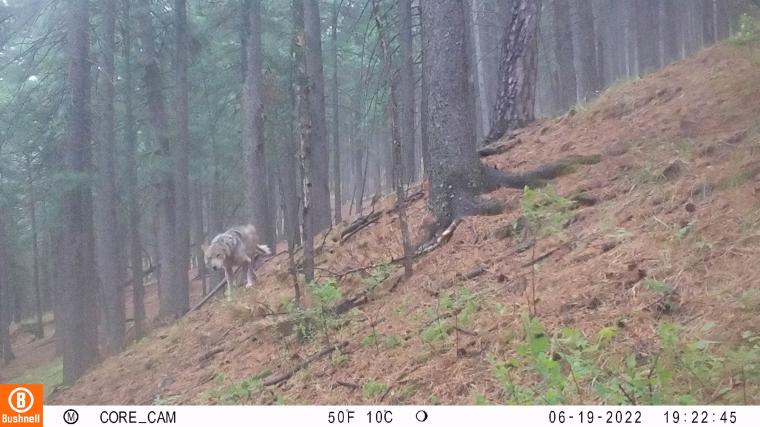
x: 436, y: 332
x: 237, y: 393
x: 545, y: 213
x: 480, y: 399
x: 371, y: 340
x: 565, y: 367
x: 373, y: 389
x: 319, y: 318
x: 392, y: 341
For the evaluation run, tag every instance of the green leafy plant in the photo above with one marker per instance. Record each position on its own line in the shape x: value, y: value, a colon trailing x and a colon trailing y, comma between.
x: 373, y: 389
x: 566, y: 367
x: 545, y: 213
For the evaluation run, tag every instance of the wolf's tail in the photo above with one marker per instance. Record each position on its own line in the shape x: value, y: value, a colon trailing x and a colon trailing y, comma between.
x: 264, y: 249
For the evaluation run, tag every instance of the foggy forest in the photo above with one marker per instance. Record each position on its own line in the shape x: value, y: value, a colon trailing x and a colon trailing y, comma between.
x: 451, y: 201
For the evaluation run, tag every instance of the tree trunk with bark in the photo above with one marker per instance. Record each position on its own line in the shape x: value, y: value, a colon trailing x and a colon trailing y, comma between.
x: 320, y: 157
x: 78, y: 279
x: 106, y: 219
x: 39, y: 331
x: 564, y: 52
x: 305, y: 129
x: 6, y: 350
x: 708, y: 22
x: 588, y: 79
x: 182, y: 158
x: 508, y: 113
x: 457, y: 176
x: 670, y: 30
x: 253, y: 128
x: 398, y: 161
x: 130, y: 163
x: 406, y: 89
x: 338, y: 204
x: 647, y: 33
x: 172, y: 298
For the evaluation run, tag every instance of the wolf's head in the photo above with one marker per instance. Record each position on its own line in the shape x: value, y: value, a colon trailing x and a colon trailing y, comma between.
x: 216, y: 253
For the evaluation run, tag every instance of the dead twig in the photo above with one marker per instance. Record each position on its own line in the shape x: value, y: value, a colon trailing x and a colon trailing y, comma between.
x: 359, y: 224
x: 287, y: 375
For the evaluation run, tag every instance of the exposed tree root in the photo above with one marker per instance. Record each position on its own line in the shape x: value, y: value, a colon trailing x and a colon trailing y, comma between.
x: 495, y: 178
x: 498, y: 147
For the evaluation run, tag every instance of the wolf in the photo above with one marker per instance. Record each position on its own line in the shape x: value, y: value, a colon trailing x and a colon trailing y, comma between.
x: 236, y: 247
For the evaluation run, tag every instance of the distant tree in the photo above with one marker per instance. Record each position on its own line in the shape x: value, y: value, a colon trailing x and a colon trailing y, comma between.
x: 320, y: 179
x: 181, y: 154
x: 253, y: 128
x: 564, y: 52
x: 5, y: 300
x: 78, y: 278
x: 647, y: 36
x: 172, y: 299
x: 337, y: 196
x: 130, y: 165
x: 106, y: 219
x: 303, y: 95
x: 406, y: 92
x: 589, y: 82
x: 510, y: 111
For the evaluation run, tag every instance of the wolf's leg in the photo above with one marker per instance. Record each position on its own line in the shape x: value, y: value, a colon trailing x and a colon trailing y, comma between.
x: 250, y: 275
x: 228, y: 278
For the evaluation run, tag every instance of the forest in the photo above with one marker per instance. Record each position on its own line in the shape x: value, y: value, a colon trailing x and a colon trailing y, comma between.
x: 428, y: 175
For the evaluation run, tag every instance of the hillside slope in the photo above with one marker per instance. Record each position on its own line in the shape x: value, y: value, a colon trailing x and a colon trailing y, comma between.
x: 651, y: 295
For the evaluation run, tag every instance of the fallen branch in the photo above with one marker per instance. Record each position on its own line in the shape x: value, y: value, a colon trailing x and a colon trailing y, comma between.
x: 287, y: 375
x: 359, y: 224
x: 212, y: 292
x: 348, y: 385
x: 544, y: 256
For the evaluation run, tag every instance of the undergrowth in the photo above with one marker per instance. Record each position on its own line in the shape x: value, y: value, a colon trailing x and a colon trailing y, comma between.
x: 565, y: 367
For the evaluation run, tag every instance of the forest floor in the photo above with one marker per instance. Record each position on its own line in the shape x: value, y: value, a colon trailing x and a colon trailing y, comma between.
x: 650, y: 294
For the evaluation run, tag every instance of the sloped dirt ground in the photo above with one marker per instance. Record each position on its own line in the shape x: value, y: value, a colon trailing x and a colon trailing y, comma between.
x: 675, y: 199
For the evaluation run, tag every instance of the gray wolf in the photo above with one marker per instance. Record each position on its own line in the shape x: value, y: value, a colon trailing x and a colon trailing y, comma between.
x: 236, y: 247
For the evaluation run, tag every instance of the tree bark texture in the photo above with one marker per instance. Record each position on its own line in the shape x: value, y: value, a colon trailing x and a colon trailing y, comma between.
x: 78, y: 277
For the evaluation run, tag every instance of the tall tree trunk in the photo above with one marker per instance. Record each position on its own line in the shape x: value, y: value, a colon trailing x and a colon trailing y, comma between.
x: 6, y: 351
x: 647, y: 30
x: 455, y: 174
x: 424, y: 106
x: 305, y: 129
x: 588, y: 79
x: 196, y: 202
x: 253, y: 128
x: 708, y: 22
x: 106, y: 219
x: 338, y: 205
x: 670, y: 30
x: 130, y: 163
x: 480, y: 65
x: 520, y: 33
x: 406, y: 98
x: 40, y: 329
x: 722, y: 9
x: 563, y: 50
x: 79, y: 281
x: 320, y: 157
x: 398, y: 161
x: 182, y: 159
x: 172, y: 301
